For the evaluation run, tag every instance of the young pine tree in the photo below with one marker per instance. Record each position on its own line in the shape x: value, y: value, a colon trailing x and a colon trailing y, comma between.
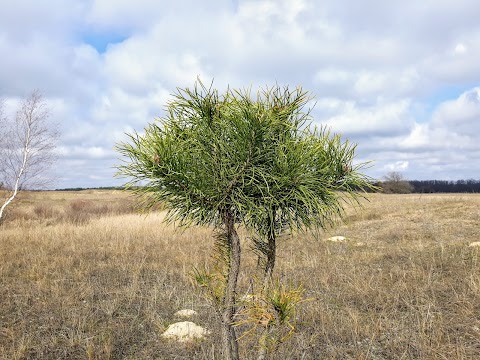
x: 230, y: 159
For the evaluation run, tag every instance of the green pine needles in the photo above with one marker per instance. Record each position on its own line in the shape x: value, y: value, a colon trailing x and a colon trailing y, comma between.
x: 233, y: 158
x: 259, y: 158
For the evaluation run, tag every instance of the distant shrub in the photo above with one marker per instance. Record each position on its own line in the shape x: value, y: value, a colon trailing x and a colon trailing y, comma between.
x: 395, y: 183
x: 80, y: 211
x: 43, y: 211
x: 13, y: 214
x: 124, y: 207
x: 80, y: 205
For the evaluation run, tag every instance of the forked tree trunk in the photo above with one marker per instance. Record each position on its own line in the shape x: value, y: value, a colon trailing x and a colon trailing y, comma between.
x: 267, y: 277
x: 270, y: 263
x: 229, y: 337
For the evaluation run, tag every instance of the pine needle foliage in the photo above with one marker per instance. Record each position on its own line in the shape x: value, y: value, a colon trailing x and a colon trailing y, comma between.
x: 273, y: 310
x: 257, y: 157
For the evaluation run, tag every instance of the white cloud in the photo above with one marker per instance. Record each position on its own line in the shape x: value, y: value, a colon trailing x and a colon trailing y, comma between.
x: 333, y: 77
x: 85, y: 152
x: 460, y: 49
x: 372, y: 66
x: 377, y: 119
x: 364, y: 84
x: 397, y: 166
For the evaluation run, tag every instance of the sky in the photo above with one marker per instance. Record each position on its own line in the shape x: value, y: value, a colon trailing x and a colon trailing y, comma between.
x: 401, y: 79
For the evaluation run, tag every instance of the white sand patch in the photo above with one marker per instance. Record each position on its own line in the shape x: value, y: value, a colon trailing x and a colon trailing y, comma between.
x: 337, y: 239
x: 185, y: 331
x: 185, y: 313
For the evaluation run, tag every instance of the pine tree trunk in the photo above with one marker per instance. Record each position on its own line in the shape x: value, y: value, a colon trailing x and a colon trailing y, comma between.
x: 267, y: 277
x: 229, y: 337
x: 270, y: 263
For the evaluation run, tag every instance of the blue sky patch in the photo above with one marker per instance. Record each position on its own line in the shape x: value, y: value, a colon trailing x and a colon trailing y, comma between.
x: 100, y: 41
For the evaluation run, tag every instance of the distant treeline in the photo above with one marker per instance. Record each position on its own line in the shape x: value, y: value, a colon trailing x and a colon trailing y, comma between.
x: 428, y: 186
x: 445, y: 186
x: 92, y: 188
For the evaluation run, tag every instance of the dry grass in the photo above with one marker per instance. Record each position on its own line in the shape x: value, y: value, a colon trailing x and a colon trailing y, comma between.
x: 108, y: 286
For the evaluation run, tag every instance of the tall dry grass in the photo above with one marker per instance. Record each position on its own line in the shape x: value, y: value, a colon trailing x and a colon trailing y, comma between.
x: 405, y: 285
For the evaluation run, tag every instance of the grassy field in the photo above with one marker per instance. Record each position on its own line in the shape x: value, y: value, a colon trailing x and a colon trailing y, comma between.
x: 84, y: 277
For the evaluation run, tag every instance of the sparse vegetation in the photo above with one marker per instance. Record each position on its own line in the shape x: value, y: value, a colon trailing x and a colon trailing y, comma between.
x: 404, y: 285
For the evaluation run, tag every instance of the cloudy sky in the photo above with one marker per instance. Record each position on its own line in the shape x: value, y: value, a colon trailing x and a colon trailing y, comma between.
x: 400, y: 78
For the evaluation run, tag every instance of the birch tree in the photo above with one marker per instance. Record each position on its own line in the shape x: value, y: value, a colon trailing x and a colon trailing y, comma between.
x: 27, y: 144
